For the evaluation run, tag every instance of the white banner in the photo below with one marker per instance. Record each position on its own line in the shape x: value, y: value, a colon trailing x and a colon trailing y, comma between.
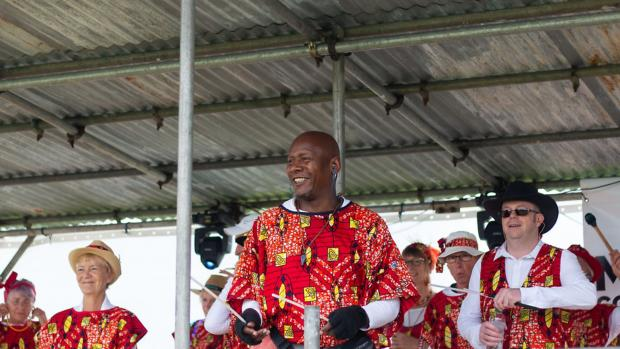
x: 602, y: 199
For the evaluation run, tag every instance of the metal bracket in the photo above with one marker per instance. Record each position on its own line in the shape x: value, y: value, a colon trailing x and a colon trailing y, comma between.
x: 575, y: 79
x: 159, y: 120
x: 36, y: 125
x: 400, y: 211
x: 424, y: 93
x: 420, y: 195
x: 169, y: 177
x: 286, y: 108
x: 116, y: 216
x: 399, y: 101
x: 72, y: 138
x: 456, y: 160
x: 314, y: 53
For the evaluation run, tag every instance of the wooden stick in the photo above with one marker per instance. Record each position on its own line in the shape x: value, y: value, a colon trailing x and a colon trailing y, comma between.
x: 297, y: 304
x: 591, y: 220
x: 466, y: 290
x: 219, y: 299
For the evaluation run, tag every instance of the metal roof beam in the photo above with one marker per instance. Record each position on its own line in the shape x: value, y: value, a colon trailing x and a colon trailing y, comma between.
x: 394, y: 38
x: 351, y: 153
x: 378, y: 89
x: 93, y: 142
x: 430, y: 86
x: 402, y: 196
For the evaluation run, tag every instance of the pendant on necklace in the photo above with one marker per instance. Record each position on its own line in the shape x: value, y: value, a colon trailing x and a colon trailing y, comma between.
x: 303, y: 259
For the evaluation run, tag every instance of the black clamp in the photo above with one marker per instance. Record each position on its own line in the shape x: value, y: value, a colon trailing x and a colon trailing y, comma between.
x: 36, y: 125
x: 168, y: 179
x: 456, y: 160
x: 116, y: 216
x: 424, y: 92
x: 159, y: 120
x: 575, y: 79
x: 399, y: 101
x: 286, y: 108
x: 71, y: 138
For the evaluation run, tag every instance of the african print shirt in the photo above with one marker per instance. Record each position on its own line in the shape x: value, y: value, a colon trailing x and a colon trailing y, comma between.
x: 587, y: 328
x: 440, y: 321
x: 115, y: 328
x: 330, y: 260
x: 199, y: 338
x: 18, y: 337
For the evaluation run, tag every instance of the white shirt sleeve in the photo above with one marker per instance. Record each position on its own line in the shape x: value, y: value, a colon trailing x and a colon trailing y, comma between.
x: 576, y: 292
x: 217, y: 321
x: 614, y: 325
x: 470, y: 318
x: 381, y: 313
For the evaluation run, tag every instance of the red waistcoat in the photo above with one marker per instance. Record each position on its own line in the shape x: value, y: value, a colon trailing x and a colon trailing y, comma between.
x: 440, y: 319
x: 587, y: 328
x: 525, y: 328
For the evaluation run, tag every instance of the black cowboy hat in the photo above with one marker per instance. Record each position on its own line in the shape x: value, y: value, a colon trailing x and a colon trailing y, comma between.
x: 520, y: 191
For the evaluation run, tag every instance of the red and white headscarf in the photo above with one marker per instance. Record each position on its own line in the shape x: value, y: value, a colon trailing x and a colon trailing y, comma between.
x: 459, y: 241
x: 12, y: 283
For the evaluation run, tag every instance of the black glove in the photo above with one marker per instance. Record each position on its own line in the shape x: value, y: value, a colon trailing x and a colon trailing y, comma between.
x: 346, y: 322
x: 249, y: 315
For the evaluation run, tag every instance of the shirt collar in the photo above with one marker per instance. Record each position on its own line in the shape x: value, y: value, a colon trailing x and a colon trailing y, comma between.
x: 106, y: 305
x: 501, y: 252
x: 290, y: 204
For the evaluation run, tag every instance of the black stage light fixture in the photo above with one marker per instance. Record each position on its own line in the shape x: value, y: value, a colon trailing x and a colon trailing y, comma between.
x: 210, y: 241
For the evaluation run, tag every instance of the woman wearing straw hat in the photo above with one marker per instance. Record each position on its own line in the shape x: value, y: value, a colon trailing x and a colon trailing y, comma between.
x: 199, y: 338
x: 95, y: 323
x: 17, y: 330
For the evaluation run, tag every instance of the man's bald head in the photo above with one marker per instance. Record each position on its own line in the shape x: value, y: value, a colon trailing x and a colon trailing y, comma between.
x: 324, y: 141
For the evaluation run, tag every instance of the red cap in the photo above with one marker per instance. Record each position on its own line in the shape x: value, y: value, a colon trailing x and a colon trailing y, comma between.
x: 595, y: 265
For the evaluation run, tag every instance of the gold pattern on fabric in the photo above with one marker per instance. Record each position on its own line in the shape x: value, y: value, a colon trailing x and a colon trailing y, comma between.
x: 383, y: 340
x: 308, y: 255
x: 261, y: 281
x: 332, y: 254
x: 552, y: 252
x: 376, y: 296
x: 288, y: 331
x: 121, y: 324
x: 67, y: 323
x: 549, y: 345
x: 336, y: 293
x: 80, y: 343
x: 309, y: 294
x: 372, y: 232
x: 447, y: 337
x: 281, y: 223
x: 524, y: 315
x: 263, y: 234
x: 356, y: 257
x: 21, y: 344
x: 85, y: 321
x: 304, y: 221
x: 282, y: 294
x: 331, y: 220
x: 548, y: 317
x: 495, y: 280
x: 280, y: 259
x: 51, y: 328
x: 353, y: 224
x: 565, y: 316
x: 133, y: 338
x: 549, y: 281
x: 448, y: 309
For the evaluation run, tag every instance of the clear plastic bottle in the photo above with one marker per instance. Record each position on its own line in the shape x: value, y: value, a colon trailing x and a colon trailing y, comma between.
x: 499, y: 321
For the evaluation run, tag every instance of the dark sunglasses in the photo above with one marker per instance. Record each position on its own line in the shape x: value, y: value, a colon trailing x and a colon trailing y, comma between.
x: 519, y: 211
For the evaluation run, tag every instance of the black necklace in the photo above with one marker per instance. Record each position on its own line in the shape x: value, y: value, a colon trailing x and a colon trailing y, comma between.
x: 303, y: 257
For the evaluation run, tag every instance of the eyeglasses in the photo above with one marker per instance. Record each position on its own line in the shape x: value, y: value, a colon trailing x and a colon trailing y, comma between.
x: 462, y: 258
x: 416, y: 262
x: 519, y: 211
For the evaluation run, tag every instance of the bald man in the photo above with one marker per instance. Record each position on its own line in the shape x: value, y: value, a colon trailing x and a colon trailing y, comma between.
x: 321, y: 249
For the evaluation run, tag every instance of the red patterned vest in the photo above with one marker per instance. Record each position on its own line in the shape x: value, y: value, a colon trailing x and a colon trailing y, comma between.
x: 525, y: 328
x: 587, y: 328
x: 20, y: 336
x: 440, y: 319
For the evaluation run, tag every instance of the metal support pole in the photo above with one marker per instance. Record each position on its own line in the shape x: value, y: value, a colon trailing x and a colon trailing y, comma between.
x: 184, y: 181
x: 312, y: 324
x: 17, y: 256
x: 338, y: 91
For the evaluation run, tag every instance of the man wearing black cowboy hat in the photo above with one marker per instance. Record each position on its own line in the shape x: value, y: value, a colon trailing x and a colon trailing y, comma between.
x: 523, y: 269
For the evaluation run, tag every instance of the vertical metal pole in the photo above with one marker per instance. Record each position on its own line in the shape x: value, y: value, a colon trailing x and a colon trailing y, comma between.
x: 22, y: 248
x: 312, y: 324
x: 184, y: 174
x: 338, y: 91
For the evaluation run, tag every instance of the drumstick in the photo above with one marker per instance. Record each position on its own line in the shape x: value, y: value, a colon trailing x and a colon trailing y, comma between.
x: 591, y: 220
x: 219, y: 299
x: 466, y: 290
x: 297, y: 304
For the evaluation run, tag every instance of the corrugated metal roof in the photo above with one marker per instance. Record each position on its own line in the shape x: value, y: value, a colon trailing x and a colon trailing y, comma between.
x: 36, y: 32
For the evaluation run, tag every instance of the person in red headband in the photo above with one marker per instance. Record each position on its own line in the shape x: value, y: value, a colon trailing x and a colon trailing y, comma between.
x: 599, y: 326
x: 459, y: 251
x: 420, y: 259
x: 17, y: 330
